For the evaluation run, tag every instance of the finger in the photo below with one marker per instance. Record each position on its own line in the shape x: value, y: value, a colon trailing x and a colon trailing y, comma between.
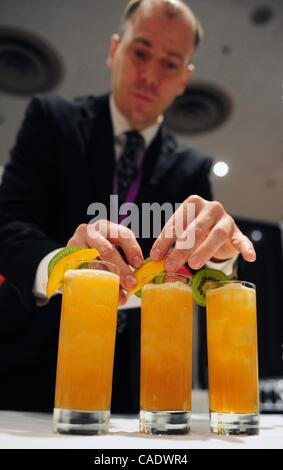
x: 79, y: 237
x: 243, y: 245
x: 218, y: 236
x: 106, y: 250
x: 127, y: 241
x: 195, y: 235
x: 132, y: 250
x: 109, y: 253
x: 120, y: 235
x: 175, y: 226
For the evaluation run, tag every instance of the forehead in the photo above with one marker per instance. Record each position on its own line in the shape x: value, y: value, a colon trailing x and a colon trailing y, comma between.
x: 163, y: 29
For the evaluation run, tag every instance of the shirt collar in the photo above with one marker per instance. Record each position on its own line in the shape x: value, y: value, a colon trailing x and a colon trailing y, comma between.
x: 121, y: 125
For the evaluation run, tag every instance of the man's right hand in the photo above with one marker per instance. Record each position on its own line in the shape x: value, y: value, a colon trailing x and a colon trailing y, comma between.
x: 105, y: 236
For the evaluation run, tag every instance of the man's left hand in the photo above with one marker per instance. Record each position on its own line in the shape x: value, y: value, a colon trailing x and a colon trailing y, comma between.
x: 215, y: 233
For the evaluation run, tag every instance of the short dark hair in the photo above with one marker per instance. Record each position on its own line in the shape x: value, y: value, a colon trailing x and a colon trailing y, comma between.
x: 132, y: 7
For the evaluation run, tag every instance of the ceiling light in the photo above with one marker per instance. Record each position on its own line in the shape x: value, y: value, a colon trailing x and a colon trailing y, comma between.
x: 28, y: 64
x: 202, y: 108
x: 220, y: 169
x: 256, y: 235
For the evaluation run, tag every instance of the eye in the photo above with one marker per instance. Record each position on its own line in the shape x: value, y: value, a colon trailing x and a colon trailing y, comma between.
x: 170, y: 65
x: 139, y: 54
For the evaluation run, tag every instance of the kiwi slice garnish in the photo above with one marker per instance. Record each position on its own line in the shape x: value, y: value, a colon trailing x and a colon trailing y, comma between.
x: 203, y: 279
x: 160, y: 278
x: 68, y: 250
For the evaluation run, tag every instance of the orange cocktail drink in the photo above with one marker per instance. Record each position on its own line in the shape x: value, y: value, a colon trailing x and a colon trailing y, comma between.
x: 86, y: 344
x: 166, y: 355
x: 232, y: 357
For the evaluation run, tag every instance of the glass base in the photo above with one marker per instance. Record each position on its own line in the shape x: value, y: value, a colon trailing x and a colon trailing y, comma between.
x: 165, y: 422
x: 80, y: 422
x: 234, y: 423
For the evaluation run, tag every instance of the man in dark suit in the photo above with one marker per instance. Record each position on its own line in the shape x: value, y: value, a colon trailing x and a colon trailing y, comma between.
x: 67, y: 156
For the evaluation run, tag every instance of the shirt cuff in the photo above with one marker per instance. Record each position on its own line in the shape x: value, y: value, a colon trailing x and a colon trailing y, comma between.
x: 228, y: 266
x: 41, y: 278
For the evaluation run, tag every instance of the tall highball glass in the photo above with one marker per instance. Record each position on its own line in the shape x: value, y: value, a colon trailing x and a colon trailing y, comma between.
x: 86, y: 348
x: 232, y: 357
x: 166, y: 355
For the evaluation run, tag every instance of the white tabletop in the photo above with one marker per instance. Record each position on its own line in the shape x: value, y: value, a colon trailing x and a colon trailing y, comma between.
x: 24, y: 430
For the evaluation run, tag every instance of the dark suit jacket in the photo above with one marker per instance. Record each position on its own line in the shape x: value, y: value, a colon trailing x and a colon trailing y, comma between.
x: 62, y: 161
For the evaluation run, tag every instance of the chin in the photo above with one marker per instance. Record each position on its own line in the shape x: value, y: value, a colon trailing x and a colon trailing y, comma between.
x: 139, y: 119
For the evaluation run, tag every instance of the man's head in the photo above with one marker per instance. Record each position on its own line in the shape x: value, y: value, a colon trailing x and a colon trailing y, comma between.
x: 150, y: 58
x: 176, y: 8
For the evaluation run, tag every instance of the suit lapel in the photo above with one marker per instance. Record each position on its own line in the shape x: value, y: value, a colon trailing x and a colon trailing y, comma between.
x: 100, y: 154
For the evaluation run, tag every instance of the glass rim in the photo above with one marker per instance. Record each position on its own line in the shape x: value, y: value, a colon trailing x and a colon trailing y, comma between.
x: 171, y: 273
x: 215, y: 284
x: 116, y: 269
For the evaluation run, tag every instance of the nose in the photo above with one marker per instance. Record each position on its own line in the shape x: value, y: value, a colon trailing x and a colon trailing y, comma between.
x: 150, y: 74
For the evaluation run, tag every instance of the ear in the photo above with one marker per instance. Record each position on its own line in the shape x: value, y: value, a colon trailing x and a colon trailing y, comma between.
x: 185, y: 79
x: 115, y: 39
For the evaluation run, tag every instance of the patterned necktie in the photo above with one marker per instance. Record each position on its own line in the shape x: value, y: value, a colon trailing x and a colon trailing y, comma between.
x: 127, y: 164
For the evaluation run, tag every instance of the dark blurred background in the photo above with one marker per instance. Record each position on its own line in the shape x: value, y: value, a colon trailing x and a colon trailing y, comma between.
x: 233, y: 109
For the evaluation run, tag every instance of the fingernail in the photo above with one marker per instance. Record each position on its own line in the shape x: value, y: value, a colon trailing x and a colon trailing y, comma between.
x: 253, y: 253
x: 195, y: 262
x: 171, y: 265
x: 130, y: 281
x: 155, y: 254
x: 137, y: 262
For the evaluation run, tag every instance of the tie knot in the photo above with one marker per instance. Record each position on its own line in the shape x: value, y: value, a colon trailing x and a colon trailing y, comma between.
x: 134, y: 140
